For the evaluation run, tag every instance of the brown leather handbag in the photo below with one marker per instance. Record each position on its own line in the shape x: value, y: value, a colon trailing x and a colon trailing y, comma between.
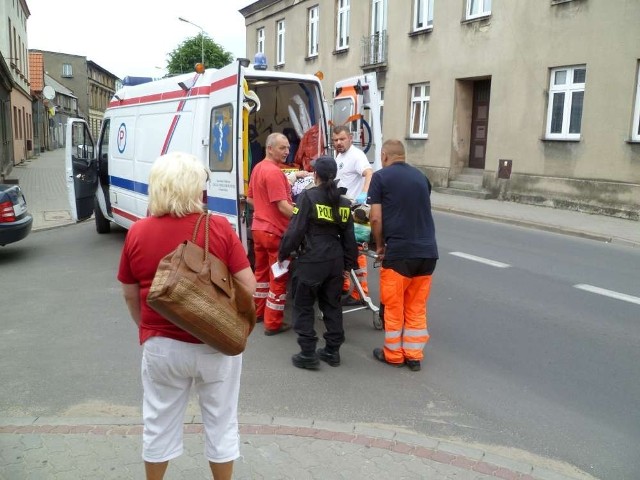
x: 194, y: 290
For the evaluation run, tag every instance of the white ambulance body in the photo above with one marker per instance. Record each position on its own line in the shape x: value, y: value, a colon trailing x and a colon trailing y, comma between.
x: 221, y: 116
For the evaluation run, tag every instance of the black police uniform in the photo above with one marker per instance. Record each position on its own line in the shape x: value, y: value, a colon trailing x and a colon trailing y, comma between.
x: 326, y: 248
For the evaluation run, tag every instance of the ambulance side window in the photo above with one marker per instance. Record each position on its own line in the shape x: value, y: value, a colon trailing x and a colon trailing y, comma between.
x: 221, y: 139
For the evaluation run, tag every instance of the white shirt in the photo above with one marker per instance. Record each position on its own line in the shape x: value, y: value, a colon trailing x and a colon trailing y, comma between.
x: 351, y: 165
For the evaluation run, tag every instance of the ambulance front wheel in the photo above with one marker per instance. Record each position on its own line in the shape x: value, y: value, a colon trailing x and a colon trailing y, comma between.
x: 102, y: 224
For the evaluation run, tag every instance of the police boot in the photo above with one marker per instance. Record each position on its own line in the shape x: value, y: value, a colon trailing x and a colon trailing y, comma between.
x: 309, y: 361
x: 329, y: 355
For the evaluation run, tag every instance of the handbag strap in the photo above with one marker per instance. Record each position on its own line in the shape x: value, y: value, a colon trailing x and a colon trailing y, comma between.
x: 206, y: 234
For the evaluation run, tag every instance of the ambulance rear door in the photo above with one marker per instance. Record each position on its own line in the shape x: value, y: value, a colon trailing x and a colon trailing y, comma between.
x: 225, y: 187
x: 357, y: 103
x: 81, y: 169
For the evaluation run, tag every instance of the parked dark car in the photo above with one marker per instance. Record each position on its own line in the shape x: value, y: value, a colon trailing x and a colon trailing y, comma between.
x: 15, y: 221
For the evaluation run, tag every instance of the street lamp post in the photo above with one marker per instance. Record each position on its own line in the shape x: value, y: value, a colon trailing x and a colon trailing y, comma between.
x: 201, y: 37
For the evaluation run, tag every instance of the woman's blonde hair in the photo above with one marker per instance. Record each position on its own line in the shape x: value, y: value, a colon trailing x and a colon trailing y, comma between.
x: 176, y: 182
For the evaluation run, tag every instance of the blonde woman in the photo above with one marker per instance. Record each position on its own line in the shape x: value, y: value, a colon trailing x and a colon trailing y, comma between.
x: 172, y: 359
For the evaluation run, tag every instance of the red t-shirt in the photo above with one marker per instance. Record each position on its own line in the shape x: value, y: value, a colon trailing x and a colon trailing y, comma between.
x: 152, y: 238
x: 268, y: 186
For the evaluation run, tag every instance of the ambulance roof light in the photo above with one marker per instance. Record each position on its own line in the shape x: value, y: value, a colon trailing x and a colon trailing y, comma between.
x: 199, y: 67
x: 129, y: 81
x: 260, y: 61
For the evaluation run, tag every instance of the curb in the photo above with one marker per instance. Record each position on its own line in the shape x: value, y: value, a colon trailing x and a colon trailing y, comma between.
x: 401, y: 442
x: 538, y: 226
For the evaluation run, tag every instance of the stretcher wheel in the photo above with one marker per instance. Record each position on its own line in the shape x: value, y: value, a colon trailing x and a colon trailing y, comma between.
x: 377, y: 321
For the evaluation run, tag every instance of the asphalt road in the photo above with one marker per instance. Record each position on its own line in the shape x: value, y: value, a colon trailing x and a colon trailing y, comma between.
x: 520, y: 358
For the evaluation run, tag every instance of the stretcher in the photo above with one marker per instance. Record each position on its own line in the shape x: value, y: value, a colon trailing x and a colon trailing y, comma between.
x: 367, y: 303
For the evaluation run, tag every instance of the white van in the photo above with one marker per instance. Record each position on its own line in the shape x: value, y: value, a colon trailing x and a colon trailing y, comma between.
x: 222, y: 117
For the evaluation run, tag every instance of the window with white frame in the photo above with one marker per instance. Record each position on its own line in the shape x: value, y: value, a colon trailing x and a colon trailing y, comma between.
x: 422, y: 15
x: 260, y: 40
x: 342, y: 26
x: 280, y: 42
x: 635, y: 129
x: 378, y: 16
x: 312, y: 40
x: 419, y: 121
x: 478, y: 8
x: 566, y: 97
x: 67, y: 70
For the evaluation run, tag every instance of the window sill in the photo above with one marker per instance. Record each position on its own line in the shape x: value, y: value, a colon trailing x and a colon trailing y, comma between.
x: 565, y: 140
x: 416, y: 138
x: 279, y: 66
x: 311, y: 58
x: 422, y: 31
x: 558, y: 2
x: 342, y: 51
x: 476, y: 19
x: 633, y: 141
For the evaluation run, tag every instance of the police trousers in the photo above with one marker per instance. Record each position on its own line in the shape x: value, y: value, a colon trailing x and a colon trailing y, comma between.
x: 321, y: 281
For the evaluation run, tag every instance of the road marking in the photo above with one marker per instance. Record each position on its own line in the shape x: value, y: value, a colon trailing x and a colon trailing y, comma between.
x: 608, y: 293
x: 486, y: 261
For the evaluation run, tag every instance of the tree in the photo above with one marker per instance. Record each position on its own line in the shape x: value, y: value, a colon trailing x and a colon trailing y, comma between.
x: 184, y: 57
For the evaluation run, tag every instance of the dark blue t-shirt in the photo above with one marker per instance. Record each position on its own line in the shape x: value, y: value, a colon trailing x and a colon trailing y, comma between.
x: 407, y: 223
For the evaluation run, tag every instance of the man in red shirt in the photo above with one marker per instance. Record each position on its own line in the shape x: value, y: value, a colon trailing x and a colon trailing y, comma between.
x: 270, y: 195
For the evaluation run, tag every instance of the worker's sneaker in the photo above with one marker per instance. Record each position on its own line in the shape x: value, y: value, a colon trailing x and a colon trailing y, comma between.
x: 378, y: 353
x: 283, y: 328
x: 309, y: 362
x: 414, y: 365
x: 332, y: 358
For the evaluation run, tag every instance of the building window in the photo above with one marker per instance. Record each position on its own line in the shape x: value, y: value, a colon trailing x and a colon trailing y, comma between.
x: 342, y: 41
x: 312, y: 41
x: 378, y: 16
x: 478, y: 8
x: 419, y: 126
x: 422, y: 15
x: 280, y: 42
x: 67, y: 70
x: 566, y: 96
x: 260, y: 40
x: 635, y: 133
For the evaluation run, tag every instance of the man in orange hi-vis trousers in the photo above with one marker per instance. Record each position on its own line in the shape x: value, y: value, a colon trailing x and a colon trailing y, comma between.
x: 403, y: 229
x: 270, y: 195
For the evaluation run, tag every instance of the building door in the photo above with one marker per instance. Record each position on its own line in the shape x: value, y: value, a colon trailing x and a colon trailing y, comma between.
x: 479, y: 123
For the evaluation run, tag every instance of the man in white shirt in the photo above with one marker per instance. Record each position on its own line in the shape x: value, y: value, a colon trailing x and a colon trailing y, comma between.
x: 354, y: 174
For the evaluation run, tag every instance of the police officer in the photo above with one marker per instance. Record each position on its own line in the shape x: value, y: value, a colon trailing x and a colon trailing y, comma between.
x: 321, y: 232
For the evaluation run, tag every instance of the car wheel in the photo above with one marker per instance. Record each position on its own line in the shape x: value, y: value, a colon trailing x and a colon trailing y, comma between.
x: 103, y: 225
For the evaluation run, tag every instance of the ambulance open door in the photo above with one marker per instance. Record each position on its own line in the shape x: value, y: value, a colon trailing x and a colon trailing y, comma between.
x: 227, y: 152
x: 81, y: 169
x: 356, y: 103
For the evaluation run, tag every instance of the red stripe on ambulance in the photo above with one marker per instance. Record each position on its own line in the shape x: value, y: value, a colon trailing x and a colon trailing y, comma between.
x: 176, y: 94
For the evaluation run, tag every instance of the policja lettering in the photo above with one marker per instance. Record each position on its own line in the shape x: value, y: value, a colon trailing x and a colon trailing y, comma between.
x: 324, y: 212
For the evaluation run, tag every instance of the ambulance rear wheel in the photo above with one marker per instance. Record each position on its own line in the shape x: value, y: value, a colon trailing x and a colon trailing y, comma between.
x: 103, y: 225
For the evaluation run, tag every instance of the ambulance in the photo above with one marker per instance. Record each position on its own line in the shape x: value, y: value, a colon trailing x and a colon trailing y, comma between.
x: 223, y: 117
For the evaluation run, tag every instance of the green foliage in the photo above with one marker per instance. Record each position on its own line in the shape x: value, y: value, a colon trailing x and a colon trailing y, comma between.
x: 184, y: 57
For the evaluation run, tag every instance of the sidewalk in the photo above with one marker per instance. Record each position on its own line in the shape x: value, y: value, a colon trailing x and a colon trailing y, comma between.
x: 277, y: 448
x: 43, y: 182
x: 271, y: 448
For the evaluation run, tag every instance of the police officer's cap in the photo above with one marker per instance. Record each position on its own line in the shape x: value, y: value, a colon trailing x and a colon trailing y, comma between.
x: 326, y: 167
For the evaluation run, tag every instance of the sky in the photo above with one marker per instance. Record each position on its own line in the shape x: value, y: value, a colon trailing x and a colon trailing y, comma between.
x: 132, y: 37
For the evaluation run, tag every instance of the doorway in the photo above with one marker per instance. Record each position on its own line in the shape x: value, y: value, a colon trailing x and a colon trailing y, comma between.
x: 479, y: 123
